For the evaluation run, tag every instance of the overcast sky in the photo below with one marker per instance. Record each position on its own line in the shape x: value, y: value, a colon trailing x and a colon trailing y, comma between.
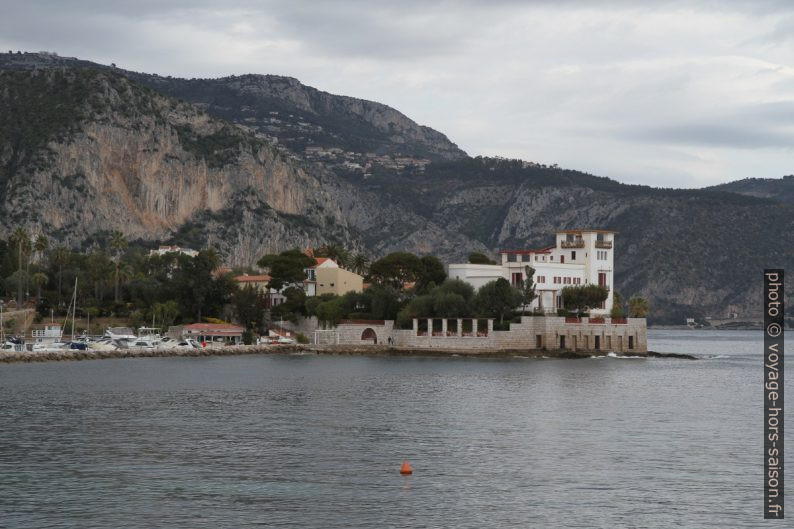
x: 683, y: 94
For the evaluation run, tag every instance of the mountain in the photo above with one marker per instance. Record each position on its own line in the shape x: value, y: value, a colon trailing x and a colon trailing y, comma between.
x: 84, y: 151
x: 254, y: 164
x: 777, y: 189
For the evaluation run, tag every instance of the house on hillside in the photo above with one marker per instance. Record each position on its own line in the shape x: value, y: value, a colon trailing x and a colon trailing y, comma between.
x: 327, y: 277
x: 260, y: 282
x: 164, y: 250
x: 578, y: 257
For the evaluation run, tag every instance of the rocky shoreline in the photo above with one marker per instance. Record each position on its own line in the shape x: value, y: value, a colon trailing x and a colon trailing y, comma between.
x: 340, y: 350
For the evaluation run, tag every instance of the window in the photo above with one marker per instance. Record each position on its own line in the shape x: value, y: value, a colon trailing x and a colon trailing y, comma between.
x: 551, y: 258
x: 511, y: 258
x: 562, y: 258
x: 573, y: 256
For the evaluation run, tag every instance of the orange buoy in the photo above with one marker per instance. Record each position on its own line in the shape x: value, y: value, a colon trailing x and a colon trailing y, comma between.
x: 406, y: 469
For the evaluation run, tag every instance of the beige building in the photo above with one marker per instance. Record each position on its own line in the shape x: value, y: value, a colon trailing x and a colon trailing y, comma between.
x: 259, y: 281
x: 326, y: 277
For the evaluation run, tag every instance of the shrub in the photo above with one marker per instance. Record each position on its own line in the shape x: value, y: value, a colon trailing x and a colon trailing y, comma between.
x: 301, y: 338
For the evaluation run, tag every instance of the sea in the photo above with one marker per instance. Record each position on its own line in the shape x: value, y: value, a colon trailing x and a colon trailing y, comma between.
x: 310, y: 441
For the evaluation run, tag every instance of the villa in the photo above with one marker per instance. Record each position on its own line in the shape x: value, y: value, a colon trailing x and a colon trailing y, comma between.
x: 578, y: 257
x: 327, y: 277
x: 165, y: 250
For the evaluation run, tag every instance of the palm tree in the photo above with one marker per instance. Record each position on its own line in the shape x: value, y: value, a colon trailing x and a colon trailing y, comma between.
x: 40, y: 246
x: 21, y: 240
x: 333, y: 251
x: 60, y: 258
x: 360, y: 264
x: 39, y: 279
x: 638, y: 307
x: 118, y: 243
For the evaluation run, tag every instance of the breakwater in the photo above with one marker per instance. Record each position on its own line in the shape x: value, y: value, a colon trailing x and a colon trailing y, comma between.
x: 341, y: 350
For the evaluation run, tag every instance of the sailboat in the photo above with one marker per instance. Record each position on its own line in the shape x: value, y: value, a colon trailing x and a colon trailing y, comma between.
x: 61, y: 343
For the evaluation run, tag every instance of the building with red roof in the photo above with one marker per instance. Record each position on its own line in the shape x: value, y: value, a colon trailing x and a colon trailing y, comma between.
x: 215, y: 333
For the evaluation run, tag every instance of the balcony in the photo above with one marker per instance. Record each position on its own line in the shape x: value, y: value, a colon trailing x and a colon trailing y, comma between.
x: 573, y: 244
x: 604, y: 245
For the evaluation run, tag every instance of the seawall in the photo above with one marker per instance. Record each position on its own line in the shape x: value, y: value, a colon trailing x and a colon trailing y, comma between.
x: 340, y: 350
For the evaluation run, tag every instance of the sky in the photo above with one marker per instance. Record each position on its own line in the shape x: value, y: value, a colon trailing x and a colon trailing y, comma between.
x: 669, y: 94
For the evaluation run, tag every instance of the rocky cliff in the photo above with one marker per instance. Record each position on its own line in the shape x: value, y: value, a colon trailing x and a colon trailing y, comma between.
x: 119, y: 156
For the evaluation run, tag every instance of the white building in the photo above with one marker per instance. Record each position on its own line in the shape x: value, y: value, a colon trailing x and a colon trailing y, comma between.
x: 163, y: 250
x: 579, y: 257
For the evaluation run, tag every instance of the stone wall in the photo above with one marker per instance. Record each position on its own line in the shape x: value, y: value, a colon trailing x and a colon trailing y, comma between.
x: 533, y: 333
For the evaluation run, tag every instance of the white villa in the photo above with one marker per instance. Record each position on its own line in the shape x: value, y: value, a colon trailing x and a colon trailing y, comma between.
x: 579, y: 257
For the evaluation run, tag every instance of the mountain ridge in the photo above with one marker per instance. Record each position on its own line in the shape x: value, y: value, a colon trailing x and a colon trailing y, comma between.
x: 252, y: 189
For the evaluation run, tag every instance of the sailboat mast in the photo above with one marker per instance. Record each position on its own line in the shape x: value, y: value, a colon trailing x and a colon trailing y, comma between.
x: 74, y: 305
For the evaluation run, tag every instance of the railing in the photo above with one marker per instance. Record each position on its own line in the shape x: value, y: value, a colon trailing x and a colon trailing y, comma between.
x: 619, y: 321
x: 572, y: 244
x: 606, y: 245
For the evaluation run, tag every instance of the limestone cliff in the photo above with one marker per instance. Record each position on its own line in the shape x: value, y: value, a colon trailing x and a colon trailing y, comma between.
x: 126, y: 158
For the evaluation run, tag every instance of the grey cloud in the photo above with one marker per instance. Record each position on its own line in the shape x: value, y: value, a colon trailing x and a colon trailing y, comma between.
x: 713, y: 136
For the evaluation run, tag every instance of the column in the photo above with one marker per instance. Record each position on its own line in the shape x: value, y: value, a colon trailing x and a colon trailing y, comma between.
x: 444, y: 327
x: 460, y: 326
x: 490, y: 326
x: 429, y: 327
x: 416, y: 327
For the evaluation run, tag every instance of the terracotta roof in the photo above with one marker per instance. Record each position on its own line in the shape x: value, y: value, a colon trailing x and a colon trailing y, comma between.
x: 213, y: 328
x: 252, y: 278
x: 548, y: 249
x: 321, y: 260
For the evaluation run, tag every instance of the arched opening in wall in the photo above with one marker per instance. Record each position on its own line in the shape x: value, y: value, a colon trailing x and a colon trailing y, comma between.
x: 369, y: 334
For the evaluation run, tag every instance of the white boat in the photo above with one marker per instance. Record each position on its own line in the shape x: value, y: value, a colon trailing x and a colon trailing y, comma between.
x: 120, y: 333
x: 150, y: 334
x: 51, y: 346
x: 103, y: 344
x: 12, y: 345
x: 143, y: 344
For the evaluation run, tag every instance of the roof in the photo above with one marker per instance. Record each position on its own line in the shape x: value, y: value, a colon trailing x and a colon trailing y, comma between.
x: 321, y: 260
x: 585, y: 231
x: 547, y: 249
x: 213, y: 328
x: 245, y: 278
x: 220, y: 271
